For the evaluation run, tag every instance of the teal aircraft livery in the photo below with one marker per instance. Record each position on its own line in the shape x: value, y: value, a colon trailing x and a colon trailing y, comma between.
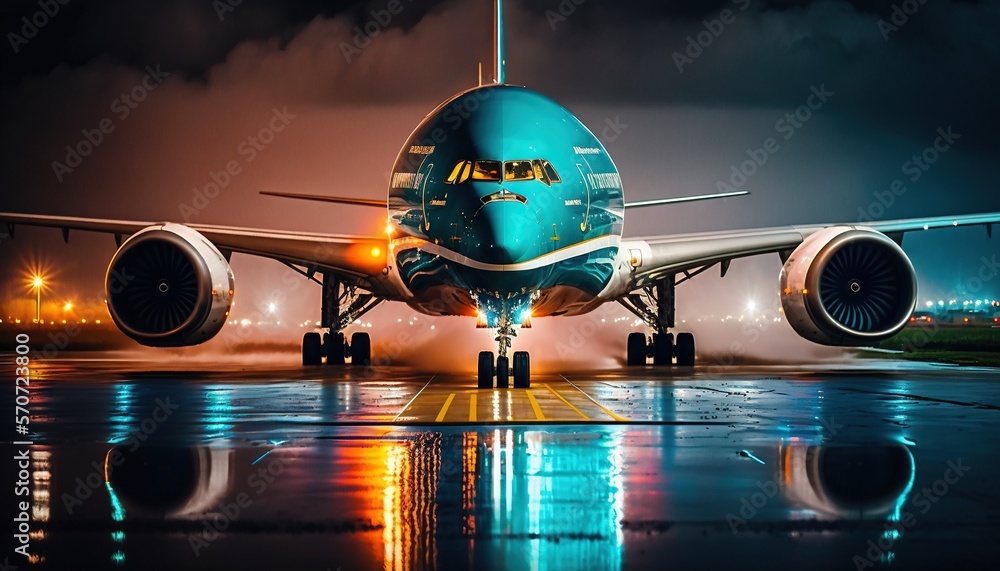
x: 504, y: 207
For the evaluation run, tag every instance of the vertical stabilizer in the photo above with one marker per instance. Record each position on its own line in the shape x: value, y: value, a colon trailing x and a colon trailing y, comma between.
x: 499, y: 57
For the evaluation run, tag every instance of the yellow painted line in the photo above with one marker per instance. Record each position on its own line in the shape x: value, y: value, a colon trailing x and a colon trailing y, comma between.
x: 569, y: 404
x: 599, y: 405
x: 472, y: 407
x: 444, y: 409
x: 534, y: 405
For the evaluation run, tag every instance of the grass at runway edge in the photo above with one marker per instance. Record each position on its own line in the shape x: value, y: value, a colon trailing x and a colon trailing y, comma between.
x: 946, y: 344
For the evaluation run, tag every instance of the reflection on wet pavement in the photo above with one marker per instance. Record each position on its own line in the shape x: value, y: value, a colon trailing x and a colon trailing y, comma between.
x: 822, y: 469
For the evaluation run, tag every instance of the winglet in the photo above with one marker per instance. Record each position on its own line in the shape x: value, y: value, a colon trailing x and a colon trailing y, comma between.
x: 696, y: 198
x: 499, y: 57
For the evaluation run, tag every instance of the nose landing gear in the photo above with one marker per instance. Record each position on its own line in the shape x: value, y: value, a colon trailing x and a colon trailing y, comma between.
x: 487, y: 369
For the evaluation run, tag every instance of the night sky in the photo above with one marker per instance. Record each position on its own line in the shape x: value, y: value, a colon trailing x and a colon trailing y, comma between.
x: 678, y: 91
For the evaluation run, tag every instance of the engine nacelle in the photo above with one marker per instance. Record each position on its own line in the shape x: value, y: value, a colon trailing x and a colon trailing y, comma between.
x: 848, y: 286
x: 168, y: 286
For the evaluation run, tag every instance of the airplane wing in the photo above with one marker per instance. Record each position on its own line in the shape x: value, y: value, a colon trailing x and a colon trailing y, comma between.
x: 351, y: 257
x: 657, y: 257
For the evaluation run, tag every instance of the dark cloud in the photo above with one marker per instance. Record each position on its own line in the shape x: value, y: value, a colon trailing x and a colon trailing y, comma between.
x: 605, y: 61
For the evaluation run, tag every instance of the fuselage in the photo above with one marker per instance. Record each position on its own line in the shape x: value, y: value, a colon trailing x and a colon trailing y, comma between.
x: 502, y: 200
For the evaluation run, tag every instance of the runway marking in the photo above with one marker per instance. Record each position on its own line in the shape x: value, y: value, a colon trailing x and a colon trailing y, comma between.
x: 534, y: 405
x: 546, y: 402
x: 444, y: 409
x: 414, y: 397
x: 599, y: 405
x: 569, y: 404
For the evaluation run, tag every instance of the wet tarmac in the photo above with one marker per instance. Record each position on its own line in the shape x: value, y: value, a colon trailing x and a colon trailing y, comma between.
x: 870, y: 464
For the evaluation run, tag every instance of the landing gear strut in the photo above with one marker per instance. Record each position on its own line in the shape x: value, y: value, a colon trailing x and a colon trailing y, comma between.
x: 333, y: 343
x: 655, y: 305
x: 502, y: 369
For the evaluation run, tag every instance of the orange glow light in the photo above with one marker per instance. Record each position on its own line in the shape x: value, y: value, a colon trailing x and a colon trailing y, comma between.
x: 376, y: 252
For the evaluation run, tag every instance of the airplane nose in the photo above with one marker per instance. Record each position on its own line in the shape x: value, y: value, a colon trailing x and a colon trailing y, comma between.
x: 504, y: 232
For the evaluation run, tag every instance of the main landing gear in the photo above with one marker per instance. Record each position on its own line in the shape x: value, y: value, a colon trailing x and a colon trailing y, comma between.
x: 655, y: 305
x: 333, y: 345
x: 502, y: 369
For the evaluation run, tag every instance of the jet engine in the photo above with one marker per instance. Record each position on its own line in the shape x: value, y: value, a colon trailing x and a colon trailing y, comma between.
x: 168, y: 286
x: 848, y: 286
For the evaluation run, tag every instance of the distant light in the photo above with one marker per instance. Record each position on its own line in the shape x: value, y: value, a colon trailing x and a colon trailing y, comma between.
x: 98, y: 322
x: 930, y: 304
x: 926, y: 227
x: 751, y: 306
x: 941, y: 302
x: 272, y: 307
x: 37, y: 281
x: 68, y: 306
x: 955, y: 223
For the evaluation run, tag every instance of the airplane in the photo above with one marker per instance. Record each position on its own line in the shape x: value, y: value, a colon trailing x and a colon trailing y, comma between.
x: 504, y: 207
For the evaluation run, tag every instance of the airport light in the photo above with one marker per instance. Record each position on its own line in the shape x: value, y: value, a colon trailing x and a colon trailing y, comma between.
x: 37, y: 282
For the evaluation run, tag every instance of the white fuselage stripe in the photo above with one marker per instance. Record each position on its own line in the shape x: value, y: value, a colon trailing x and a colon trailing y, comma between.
x: 555, y: 257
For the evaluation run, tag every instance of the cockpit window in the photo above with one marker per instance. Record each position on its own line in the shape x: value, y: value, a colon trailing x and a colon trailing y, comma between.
x: 537, y: 169
x: 545, y: 172
x: 460, y: 173
x: 486, y: 170
x: 518, y: 170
